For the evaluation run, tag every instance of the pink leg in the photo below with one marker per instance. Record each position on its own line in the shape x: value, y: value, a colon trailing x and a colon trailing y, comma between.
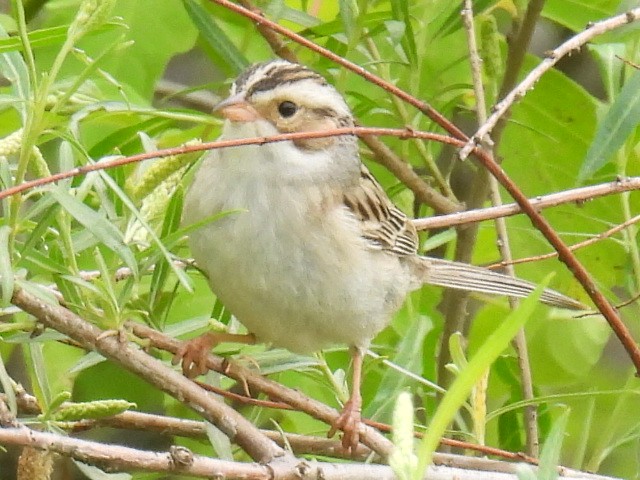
x: 349, y: 419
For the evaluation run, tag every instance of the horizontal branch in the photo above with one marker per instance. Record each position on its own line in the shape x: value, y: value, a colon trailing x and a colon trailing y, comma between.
x: 182, y: 460
x: 576, y: 195
x: 402, y: 133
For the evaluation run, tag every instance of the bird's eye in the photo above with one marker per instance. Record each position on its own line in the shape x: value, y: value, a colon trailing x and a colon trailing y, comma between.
x: 287, y: 109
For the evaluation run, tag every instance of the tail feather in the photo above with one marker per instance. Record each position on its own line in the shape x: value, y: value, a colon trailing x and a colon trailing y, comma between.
x: 445, y: 273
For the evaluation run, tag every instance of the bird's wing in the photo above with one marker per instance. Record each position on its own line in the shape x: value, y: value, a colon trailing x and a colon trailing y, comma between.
x: 383, y: 224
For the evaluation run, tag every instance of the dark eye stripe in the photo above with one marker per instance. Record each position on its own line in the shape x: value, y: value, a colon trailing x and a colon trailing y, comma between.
x: 276, y: 80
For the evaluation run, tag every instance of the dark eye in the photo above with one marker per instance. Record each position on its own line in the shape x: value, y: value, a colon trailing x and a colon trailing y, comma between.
x: 287, y: 109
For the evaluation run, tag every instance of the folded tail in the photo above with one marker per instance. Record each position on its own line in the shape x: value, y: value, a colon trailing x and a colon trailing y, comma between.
x: 445, y: 273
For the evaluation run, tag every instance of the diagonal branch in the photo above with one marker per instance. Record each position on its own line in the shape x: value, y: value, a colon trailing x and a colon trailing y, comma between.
x: 553, y: 57
x: 90, y: 337
x: 273, y: 390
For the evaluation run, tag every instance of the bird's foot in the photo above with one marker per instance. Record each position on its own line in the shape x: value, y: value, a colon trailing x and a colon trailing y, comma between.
x: 349, y: 423
x: 193, y: 353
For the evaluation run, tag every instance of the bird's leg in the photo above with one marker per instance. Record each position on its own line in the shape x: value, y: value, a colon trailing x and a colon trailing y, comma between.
x: 349, y: 419
x: 193, y: 353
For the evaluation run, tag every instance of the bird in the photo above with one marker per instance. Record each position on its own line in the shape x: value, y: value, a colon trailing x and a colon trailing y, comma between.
x: 315, y: 254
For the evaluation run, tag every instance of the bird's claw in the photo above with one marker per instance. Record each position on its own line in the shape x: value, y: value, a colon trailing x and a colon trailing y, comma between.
x: 193, y: 355
x: 349, y: 423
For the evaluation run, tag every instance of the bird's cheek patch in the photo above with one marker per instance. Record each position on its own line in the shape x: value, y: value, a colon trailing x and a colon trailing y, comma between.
x: 315, y: 125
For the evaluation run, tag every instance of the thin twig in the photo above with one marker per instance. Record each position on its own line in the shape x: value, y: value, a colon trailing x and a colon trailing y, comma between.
x: 574, y: 43
x: 402, y: 133
x: 576, y: 195
x: 598, y: 237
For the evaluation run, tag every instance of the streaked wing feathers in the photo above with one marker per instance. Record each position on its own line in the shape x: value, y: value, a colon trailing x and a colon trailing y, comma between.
x: 384, y: 225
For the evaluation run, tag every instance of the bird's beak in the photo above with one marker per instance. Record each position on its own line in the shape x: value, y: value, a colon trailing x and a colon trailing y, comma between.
x: 236, y: 109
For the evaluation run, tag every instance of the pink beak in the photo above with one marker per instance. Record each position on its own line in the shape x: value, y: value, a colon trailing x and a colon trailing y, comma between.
x: 236, y: 109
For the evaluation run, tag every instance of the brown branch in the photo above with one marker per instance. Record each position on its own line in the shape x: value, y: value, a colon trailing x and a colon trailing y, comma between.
x: 273, y: 390
x: 576, y: 195
x: 402, y: 133
x: 234, y: 425
x: 574, y: 247
x: 182, y: 461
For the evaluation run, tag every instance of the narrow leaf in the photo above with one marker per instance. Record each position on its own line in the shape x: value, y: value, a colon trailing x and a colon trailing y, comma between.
x: 349, y: 15
x: 13, y: 68
x: 6, y: 271
x: 464, y: 382
x: 616, y: 126
x: 98, y: 225
x: 400, y: 10
x: 214, y: 36
x: 550, y: 456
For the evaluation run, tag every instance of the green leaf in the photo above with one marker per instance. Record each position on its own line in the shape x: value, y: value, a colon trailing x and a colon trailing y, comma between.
x: 215, y: 37
x: 576, y: 14
x: 349, y: 15
x: 98, y: 225
x: 38, y: 364
x: 334, y: 27
x: 550, y: 455
x: 611, y: 68
x: 618, y: 123
x: 94, y: 473
x: 467, y: 378
x: 6, y: 270
x: 400, y: 10
x: 46, y: 37
x: 15, y: 70
x: 7, y: 387
x: 162, y: 268
x: 392, y: 381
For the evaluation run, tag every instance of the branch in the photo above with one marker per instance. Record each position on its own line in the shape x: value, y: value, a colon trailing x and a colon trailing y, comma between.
x: 273, y: 390
x: 402, y: 133
x: 230, y: 422
x: 182, y: 460
x: 574, y: 43
x: 576, y: 195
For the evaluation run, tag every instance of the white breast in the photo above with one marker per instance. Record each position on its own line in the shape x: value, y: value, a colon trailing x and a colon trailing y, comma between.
x: 291, y: 266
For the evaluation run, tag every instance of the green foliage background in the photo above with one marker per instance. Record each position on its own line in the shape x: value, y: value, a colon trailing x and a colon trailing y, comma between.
x: 101, y: 103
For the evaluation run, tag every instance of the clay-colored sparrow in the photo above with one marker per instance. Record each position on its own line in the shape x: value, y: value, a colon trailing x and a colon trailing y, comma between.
x: 318, y: 255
